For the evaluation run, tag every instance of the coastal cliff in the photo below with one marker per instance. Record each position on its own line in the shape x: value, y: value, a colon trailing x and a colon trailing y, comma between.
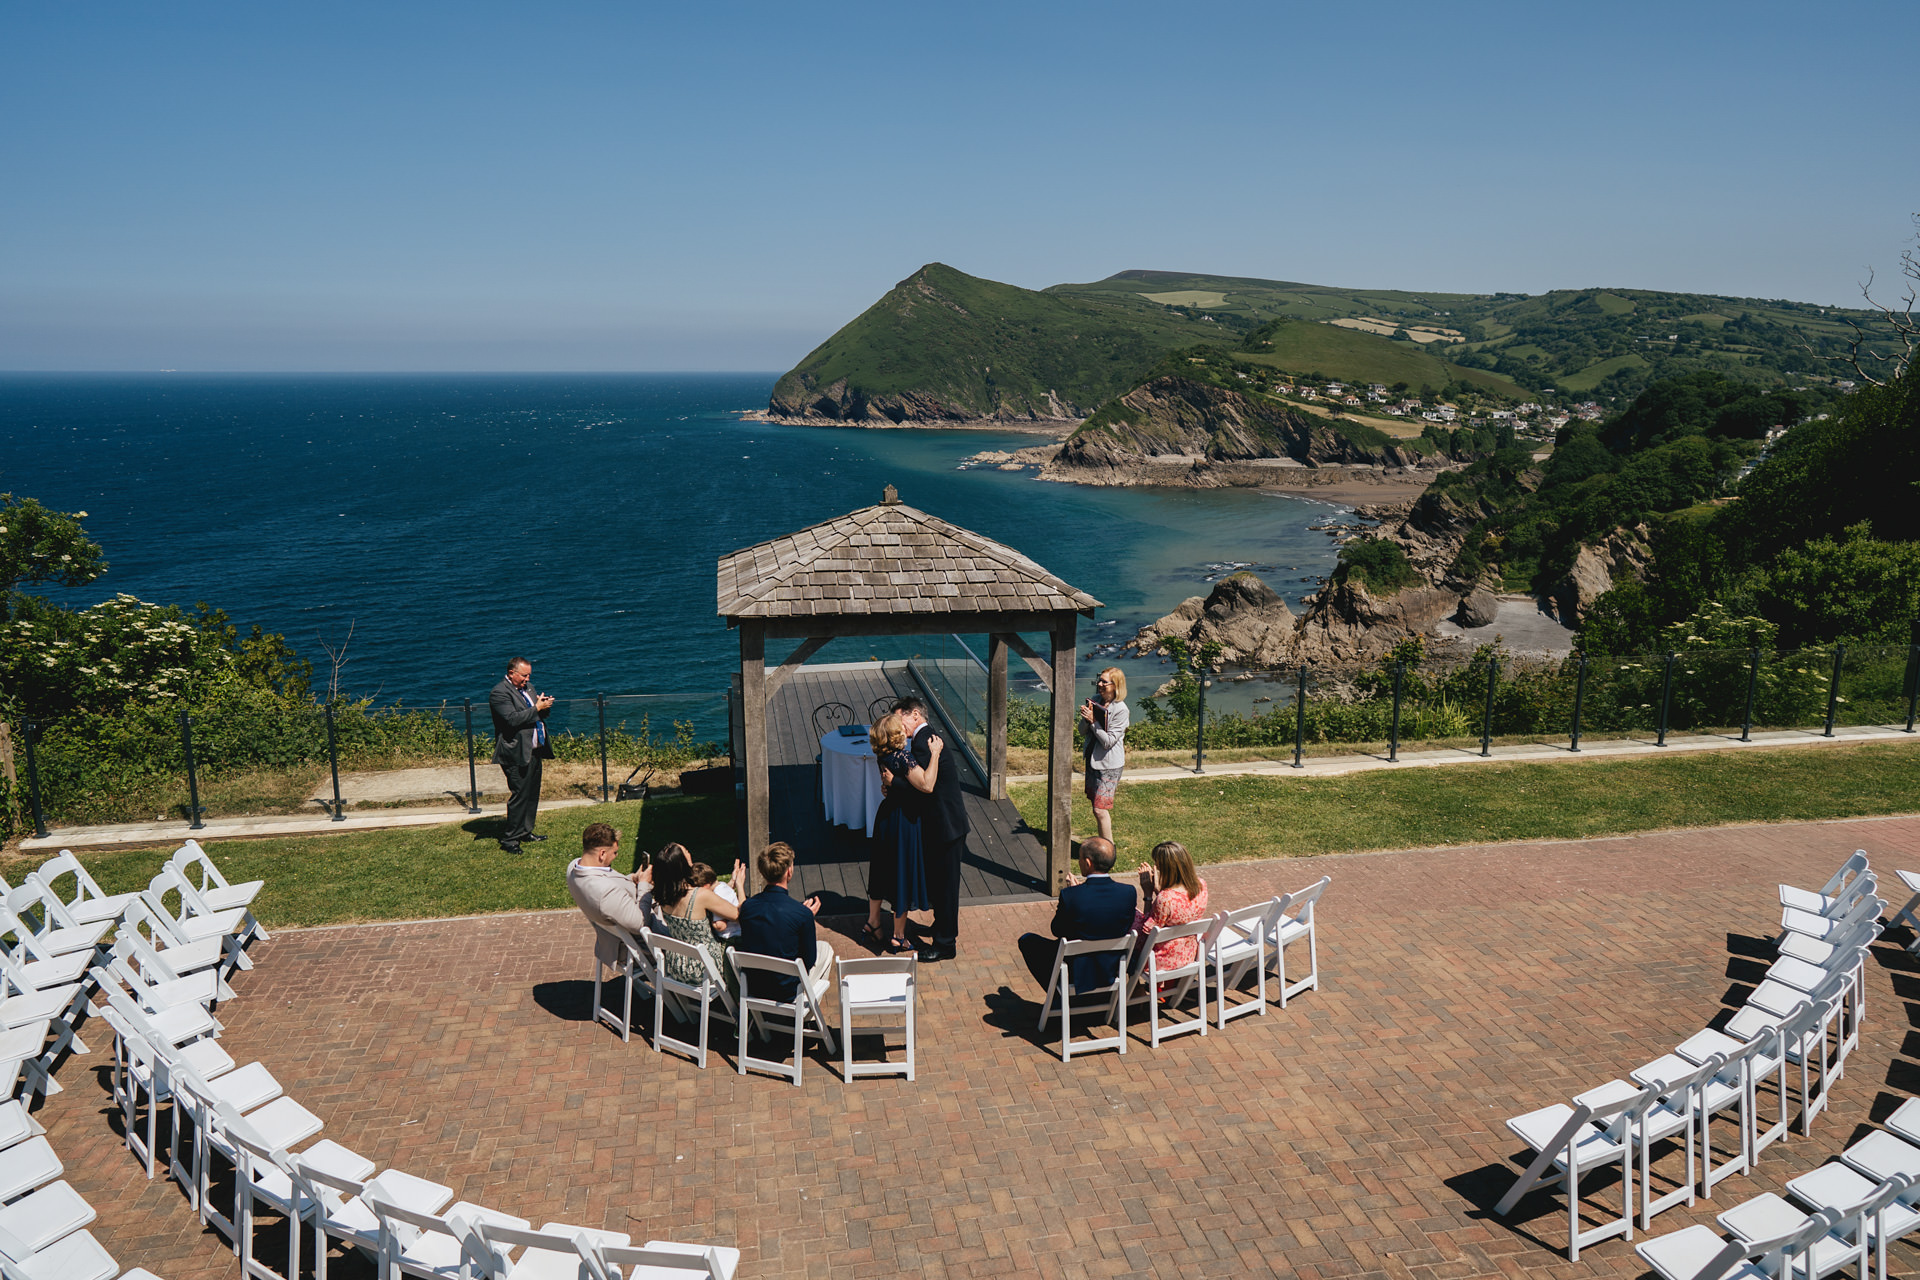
x: 1179, y: 429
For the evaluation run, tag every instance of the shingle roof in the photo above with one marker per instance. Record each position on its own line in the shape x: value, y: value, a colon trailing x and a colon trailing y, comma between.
x: 885, y: 559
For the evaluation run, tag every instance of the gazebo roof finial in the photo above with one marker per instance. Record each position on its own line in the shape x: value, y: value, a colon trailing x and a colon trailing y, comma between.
x: 890, y: 498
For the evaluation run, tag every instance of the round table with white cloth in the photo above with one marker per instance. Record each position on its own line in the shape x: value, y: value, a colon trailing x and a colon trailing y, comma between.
x: 849, y: 780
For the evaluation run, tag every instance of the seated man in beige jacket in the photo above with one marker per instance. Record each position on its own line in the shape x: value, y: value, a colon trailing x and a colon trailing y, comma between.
x: 604, y: 895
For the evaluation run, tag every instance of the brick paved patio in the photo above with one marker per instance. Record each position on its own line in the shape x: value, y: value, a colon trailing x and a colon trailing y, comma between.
x: 1358, y: 1133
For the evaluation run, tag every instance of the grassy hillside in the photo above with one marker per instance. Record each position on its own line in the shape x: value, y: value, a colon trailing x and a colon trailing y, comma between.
x: 944, y: 344
x: 1611, y: 343
x: 1353, y: 356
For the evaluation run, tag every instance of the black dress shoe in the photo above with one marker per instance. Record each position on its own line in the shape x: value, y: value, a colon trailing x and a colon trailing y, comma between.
x: 510, y: 846
x: 533, y: 835
x: 936, y: 952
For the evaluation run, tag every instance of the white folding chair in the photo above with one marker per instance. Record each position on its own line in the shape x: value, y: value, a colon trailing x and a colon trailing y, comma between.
x: 40, y: 1219
x: 802, y: 1013
x: 77, y: 1256
x: 1569, y: 1140
x: 90, y: 904
x: 191, y: 861
x: 1906, y: 915
x: 17, y: 1124
x: 662, y: 1260
x: 251, y: 1091
x: 1109, y: 999
x: 27, y: 1166
x: 163, y: 952
x: 152, y: 984
x: 1677, y: 1115
x: 1292, y: 922
x: 1823, y: 924
x: 264, y: 1176
x: 883, y: 987
x: 557, y: 1251
x: 1839, y: 1188
x: 685, y: 997
x: 635, y: 969
x: 435, y: 1246
x: 1237, y: 946
x: 1843, y: 1244
x: 40, y: 912
x: 1824, y: 897
x: 26, y: 1060
x: 1149, y: 981
x: 1700, y: 1253
x: 337, y: 1205
x: 194, y: 921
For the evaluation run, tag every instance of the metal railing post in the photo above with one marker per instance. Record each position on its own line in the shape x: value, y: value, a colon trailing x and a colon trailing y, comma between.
x: 33, y: 782
x: 193, y: 781
x: 1486, y: 719
x: 1300, y: 719
x: 1833, y: 688
x: 1913, y: 683
x: 1666, y: 693
x: 600, y: 700
x: 1753, y: 685
x: 1393, y: 733
x: 1200, y: 725
x: 473, y: 779
x: 333, y: 759
x: 1579, y: 697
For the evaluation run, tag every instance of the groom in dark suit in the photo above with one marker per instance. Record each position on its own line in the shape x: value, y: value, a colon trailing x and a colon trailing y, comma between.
x: 943, y: 831
x: 519, y: 745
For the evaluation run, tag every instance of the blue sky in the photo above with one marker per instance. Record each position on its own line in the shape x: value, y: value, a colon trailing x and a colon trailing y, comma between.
x: 713, y: 186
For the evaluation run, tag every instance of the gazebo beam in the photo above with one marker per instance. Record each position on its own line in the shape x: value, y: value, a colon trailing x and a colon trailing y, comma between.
x: 1059, y: 754
x: 997, y: 716
x: 753, y: 715
x: 960, y: 621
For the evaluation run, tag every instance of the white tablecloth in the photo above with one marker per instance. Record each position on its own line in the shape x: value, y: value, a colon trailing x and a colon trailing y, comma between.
x: 849, y: 781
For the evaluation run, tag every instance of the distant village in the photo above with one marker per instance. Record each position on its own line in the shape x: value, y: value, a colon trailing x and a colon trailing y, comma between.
x: 1529, y: 419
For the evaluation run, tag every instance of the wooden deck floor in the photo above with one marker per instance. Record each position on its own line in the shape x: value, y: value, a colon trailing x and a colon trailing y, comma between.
x: 1006, y: 861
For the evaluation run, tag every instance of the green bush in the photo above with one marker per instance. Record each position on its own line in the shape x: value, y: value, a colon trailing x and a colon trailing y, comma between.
x: 1381, y: 566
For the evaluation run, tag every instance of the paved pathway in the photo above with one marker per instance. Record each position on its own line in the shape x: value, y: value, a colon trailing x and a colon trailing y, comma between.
x: 1357, y: 1133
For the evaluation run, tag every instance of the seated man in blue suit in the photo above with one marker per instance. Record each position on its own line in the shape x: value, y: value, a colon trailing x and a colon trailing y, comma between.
x: 1097, y: 906
x: 773, y: 924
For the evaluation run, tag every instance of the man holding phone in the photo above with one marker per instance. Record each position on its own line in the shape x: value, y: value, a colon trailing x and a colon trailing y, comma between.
x: 519, y: 745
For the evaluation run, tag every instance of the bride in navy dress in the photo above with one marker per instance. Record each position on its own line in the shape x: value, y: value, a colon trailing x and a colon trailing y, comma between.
x: 898, y: 873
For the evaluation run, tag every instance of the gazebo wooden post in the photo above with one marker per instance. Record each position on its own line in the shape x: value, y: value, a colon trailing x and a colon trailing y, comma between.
x: 1060, y: 753
x: 753, y: 714
x: 996, y: 716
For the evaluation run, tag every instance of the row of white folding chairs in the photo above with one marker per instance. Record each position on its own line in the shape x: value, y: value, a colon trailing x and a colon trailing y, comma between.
x: 1801, y: 1012
x: 43, y: 1220
x: 886, y: 987
x: 1232, y: 945
x: 1866, y: 1198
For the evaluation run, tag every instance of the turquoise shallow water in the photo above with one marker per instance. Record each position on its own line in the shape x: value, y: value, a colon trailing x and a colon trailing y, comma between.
x: 452, y: 521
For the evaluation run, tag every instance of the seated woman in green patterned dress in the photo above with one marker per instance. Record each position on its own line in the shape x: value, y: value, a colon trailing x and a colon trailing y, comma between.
x: 689, y: 911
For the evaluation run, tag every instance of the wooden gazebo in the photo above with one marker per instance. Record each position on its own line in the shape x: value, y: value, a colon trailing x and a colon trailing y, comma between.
x: 892, y: 570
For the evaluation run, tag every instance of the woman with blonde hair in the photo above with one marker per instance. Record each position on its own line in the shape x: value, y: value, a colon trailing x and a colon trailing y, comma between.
x: 1174, y: 894
x: 1103, y: 722
x: 898, y: 871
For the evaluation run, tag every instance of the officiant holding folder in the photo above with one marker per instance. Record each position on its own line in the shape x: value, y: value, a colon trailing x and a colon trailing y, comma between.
x: 519, y: 745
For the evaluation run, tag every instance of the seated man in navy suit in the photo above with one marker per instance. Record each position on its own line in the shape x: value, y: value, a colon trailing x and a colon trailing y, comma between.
x: 1097, y: 906
x: 773, y: 924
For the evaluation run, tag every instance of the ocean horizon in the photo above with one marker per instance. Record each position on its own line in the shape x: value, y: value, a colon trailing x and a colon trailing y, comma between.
x: 437, y: 524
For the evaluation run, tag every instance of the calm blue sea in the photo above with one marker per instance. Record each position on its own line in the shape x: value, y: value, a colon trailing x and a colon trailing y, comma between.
x: 448, y: 522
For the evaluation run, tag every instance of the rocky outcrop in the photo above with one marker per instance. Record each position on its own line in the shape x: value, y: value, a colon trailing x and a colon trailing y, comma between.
x: 1175, y: 430
x: 1598, y: 567
x: 798, y: 396
x: 1347, y: 624
x: 1243, y: 615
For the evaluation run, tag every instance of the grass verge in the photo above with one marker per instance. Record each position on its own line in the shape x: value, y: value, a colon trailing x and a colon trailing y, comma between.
x: 458, y: 869
x: 1221, y: 819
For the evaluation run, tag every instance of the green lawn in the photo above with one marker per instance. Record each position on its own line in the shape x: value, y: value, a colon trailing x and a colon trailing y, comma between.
x: 1262, y: 817
x: 458, y: 869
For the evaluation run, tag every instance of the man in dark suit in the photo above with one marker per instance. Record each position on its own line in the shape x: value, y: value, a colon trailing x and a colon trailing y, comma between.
x: 943, y: 831
x: 1097, y: 906
x: 773, y: 924
x: 519, y: 745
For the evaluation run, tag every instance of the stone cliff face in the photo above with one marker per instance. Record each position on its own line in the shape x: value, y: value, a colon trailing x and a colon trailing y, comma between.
x: 1347, y: 624
x: 1173, y: 425
x: 1622, y: 555
x: 798, y: 395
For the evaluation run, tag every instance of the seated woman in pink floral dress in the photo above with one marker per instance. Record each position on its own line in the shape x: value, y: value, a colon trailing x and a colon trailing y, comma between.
x: 1174, y: 894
